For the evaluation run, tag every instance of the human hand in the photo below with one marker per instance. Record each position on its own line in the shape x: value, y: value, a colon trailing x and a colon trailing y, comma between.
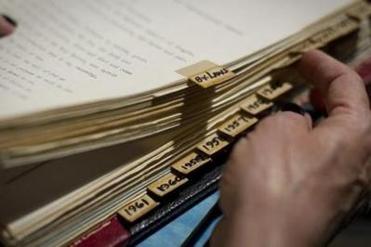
x: 288, y: 183
x: 6, y: 27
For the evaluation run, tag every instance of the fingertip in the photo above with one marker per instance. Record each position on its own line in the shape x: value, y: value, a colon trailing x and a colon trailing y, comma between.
x: 318, y: 68
x: 6, y: 28
x: 312, y: 55
x: 307, y: 61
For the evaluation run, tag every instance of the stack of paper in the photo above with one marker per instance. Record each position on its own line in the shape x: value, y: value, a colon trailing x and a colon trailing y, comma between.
x: 100, y: 99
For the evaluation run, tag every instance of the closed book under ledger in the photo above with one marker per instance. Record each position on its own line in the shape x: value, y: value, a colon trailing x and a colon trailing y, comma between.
x: 116, y: 116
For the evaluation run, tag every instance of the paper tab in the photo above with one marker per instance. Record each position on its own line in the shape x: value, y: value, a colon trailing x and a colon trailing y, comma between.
x: 167, y: 184
x: 343, y: 27
x: 206, y: 73
x: 190, y: 163
x: 196, y: 68
x: 254, y: 105
x: 137, y: 208
x: 212, y: 76
x: 273, y: 91
x: 361, y: 11
x: 237, y: 124
x: 212, y: 144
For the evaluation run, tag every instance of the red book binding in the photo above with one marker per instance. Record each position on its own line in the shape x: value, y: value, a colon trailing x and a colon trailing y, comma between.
x: 109, y: 233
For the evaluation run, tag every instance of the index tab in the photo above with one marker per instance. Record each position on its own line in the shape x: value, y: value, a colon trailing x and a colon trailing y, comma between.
x: 360, y: 11
x: 237, y: 124
x: 196, y: 68
x: 212, y: 144
x: 190, y: 163
x: 212, y: 76
x: 255, y: 105
x: 137, y: 208
x: 331, y: 33
x: 167, y: 184
x: 273, y: 91
x: 206, y: 73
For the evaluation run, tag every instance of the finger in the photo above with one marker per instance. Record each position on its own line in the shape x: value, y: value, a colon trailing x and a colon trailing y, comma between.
x: 6, y: 27
x: 363, y: 69
x: 286, y: 119
x: 309, y: 120
x: 343, y: 90
x: 295, y: 108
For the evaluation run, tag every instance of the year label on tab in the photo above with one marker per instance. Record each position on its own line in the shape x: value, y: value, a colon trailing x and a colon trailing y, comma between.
x: 167, y: 184
x: 254, y: 105
x: 190, y: 163
x: 272, y: 92
x: 137, y: 208
x: 212, y: 144
x: 237, y: 124
x: 212, y: 76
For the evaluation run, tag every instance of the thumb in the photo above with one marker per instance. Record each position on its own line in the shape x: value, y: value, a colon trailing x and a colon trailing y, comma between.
x: 343, y: 90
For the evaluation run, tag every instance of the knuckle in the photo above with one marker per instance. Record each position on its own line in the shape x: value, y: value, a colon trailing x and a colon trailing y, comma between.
x: 351, y: 75
x: 364, y: 120
x: 345, y: 144
x: 340, y: 140
x: 290, y: 117
x: 238, y: 149
x: 283, y: 120
x: 267, y: 121
x: 357, y: 123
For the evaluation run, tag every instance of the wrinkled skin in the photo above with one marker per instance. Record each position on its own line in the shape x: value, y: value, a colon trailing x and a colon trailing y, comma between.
x: 288, y: 182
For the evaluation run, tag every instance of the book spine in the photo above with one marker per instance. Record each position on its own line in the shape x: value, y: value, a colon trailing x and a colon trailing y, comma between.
x: 108, y: 233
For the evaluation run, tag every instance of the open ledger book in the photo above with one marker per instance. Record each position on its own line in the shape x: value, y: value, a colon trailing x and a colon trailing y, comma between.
x: 100, y: 98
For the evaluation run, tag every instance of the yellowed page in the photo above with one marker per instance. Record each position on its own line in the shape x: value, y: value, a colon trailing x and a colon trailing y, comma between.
x: 72, y: 52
